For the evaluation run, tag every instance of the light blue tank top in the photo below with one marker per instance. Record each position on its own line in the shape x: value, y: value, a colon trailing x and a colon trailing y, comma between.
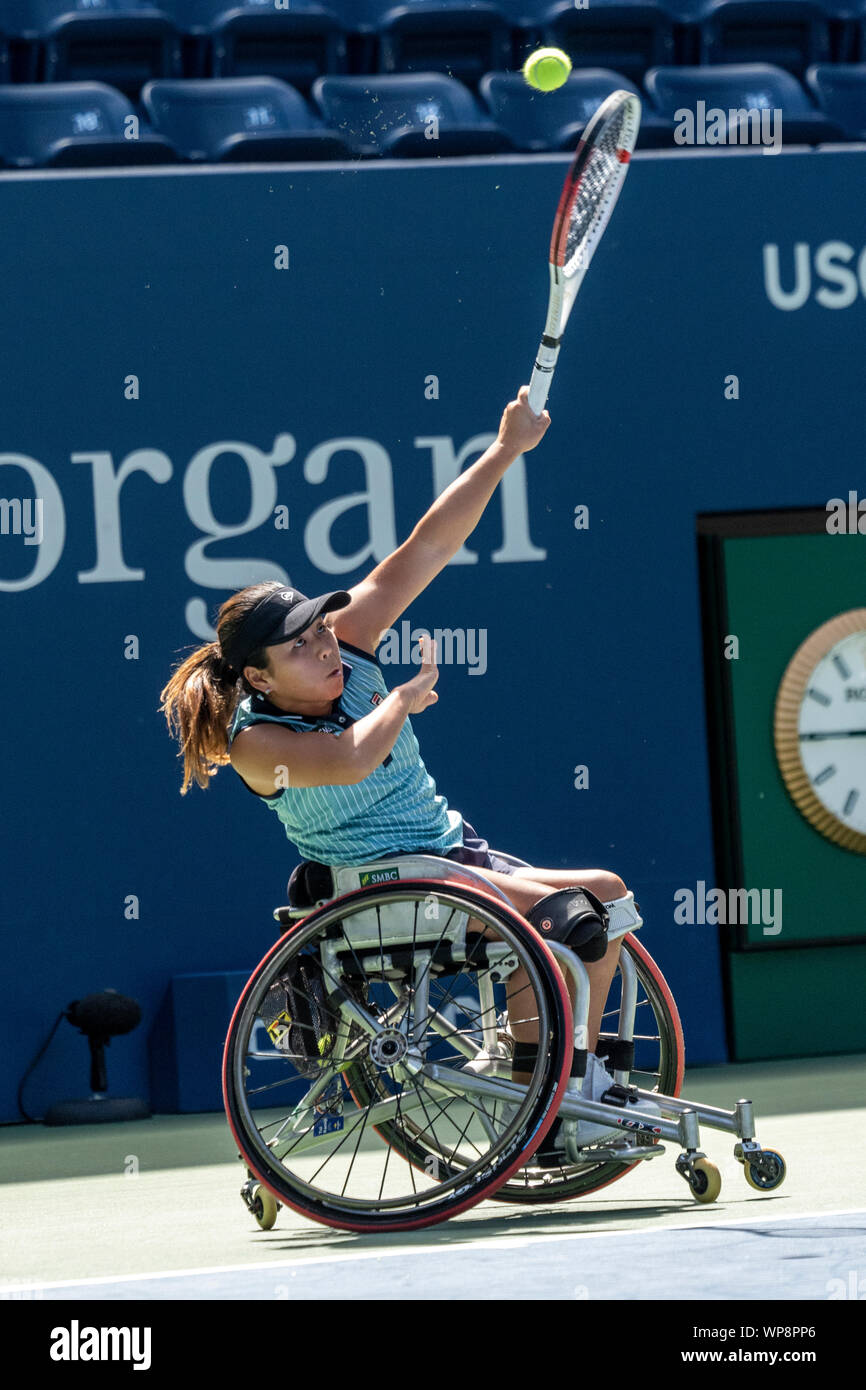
x: 394, y: 809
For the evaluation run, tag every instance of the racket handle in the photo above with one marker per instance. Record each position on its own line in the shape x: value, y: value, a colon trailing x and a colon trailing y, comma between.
x: 542, y: 375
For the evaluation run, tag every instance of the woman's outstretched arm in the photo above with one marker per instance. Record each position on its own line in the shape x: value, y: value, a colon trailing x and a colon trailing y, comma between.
x: 387, y: 590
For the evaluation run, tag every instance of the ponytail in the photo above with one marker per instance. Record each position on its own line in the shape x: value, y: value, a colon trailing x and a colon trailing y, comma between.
x: 200, y: 699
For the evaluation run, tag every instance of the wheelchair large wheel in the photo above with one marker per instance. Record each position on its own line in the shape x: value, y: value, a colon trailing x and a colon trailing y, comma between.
x: 658, y: 1065
x: 374, y: 986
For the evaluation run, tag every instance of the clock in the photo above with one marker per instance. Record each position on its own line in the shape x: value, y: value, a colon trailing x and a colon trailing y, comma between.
x: 820, y: 729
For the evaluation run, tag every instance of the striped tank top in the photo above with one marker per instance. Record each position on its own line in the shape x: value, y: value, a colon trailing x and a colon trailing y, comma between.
x: 394, y: 809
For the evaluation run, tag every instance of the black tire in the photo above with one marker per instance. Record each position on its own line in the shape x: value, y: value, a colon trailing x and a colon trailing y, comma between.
x: 373, y: 981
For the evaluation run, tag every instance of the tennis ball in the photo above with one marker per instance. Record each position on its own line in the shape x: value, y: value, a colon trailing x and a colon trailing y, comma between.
x: 547, y: 68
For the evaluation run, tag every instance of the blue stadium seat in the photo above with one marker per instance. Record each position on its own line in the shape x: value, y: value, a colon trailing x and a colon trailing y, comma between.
x: 5, y: 69
x: 391, y: 116
x: 743, y: 87
x: 628, y: 36
x: 781, y: 36
x: 554, y: 120
x: 789, y: 34
x: 840, y: 91
x: 686, y: 16
x: 121, y: 42
x: 244, y: 119
x: 78, y: 124
x: 461, y: 38
x: 250, y: 38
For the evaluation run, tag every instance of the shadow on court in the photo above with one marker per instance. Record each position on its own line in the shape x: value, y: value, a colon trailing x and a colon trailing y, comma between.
x: 32, y: 1153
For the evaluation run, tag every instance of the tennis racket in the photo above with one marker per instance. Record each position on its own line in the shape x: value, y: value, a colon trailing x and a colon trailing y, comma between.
x: 589, y: 194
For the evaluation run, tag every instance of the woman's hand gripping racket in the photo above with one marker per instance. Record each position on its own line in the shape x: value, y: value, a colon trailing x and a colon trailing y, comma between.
x: 588, y: 196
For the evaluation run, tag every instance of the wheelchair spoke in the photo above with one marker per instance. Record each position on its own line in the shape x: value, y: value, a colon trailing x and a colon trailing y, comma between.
x: 450, y: 1159
x: 364, y: 982
x: 388, y: 1153
x: 355, y: 1152
x: 430, y: 1123
x: 432, y: 950
x: 337, y: 1147
x: 272, y: 1085
x: 449, y: 997
x: 402, y: 1127
x: 444, y: 1086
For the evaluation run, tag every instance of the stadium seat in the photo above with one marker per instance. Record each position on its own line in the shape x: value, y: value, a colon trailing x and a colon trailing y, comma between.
x: 789, y: 34
x: 69, y: 124
x: 250, y: 38
x: 239, y: 119
x: 120, y: 42
x: 422, y: 115
x: 554, y: 120
x: 628, y: 36
x: 686, y: 16
x: 840, y: 91
x: 847, y: 23
x: 5, y: 71
x: 743, y: 87
x: 461, y: 38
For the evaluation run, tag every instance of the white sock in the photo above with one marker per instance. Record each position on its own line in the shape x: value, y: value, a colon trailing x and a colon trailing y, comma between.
x: 597, y: 1079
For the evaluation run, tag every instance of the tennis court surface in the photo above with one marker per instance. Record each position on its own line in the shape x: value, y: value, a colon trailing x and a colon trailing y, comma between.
x: 151, y: 1211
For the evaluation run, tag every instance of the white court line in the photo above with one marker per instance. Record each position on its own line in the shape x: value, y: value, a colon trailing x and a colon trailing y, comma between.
x: 493, y: 1243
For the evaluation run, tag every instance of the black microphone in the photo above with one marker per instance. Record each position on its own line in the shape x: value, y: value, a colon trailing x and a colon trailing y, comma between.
x: 101, y: 1017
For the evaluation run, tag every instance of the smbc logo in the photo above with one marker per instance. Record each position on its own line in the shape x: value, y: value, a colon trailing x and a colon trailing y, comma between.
x: 378, y: 876
x: 832, y: 274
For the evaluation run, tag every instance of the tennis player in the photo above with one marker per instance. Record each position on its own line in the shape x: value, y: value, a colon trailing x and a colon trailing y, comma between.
x: 286, y: 670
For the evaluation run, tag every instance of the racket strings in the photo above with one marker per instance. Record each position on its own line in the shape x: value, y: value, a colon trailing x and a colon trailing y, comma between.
x: 602, y: 175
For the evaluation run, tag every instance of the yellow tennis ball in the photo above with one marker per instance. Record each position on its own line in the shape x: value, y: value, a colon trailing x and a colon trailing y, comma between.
x: 547, y: 69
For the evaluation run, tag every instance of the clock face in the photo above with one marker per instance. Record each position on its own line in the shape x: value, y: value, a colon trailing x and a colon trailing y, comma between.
x: 820, y: 729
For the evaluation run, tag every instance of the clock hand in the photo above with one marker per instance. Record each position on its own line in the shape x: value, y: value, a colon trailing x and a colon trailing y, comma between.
x: 843, y: 733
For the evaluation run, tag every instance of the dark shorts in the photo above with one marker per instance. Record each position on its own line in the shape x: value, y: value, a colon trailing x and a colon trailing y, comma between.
x: 306, y: 883
x: 476, y: 852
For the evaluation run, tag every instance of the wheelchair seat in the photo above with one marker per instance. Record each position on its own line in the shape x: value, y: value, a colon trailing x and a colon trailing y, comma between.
x: 312, y: 883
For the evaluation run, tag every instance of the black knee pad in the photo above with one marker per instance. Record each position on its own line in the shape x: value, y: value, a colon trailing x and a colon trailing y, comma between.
x: 576, y: 918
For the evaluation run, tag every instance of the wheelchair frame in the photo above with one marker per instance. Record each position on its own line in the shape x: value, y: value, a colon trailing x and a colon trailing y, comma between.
x: 680, y: 1120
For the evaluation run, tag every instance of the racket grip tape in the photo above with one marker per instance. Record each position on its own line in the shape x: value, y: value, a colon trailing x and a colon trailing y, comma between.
x: 542, y: 374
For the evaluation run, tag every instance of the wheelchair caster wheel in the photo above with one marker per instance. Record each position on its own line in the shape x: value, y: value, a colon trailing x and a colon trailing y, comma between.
x: 264, y: 1206
x: 766, y: 1174
x: 705, y: 1180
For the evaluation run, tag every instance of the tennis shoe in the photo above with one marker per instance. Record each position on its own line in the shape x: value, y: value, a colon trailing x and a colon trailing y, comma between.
x: 598, y: 1085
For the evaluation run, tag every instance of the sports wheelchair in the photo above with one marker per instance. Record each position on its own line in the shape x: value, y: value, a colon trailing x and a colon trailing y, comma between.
x: 367, y: 1067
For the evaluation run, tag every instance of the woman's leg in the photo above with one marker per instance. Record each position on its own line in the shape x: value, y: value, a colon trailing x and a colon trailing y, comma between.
x: 606, y: 886
x: 524, y: 887
x: 522, y: 1016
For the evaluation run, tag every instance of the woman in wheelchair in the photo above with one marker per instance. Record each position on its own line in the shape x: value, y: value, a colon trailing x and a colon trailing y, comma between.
x: 286, y: 670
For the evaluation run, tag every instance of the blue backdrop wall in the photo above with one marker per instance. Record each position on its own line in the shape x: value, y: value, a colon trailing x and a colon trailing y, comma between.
x: 348, y: 387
